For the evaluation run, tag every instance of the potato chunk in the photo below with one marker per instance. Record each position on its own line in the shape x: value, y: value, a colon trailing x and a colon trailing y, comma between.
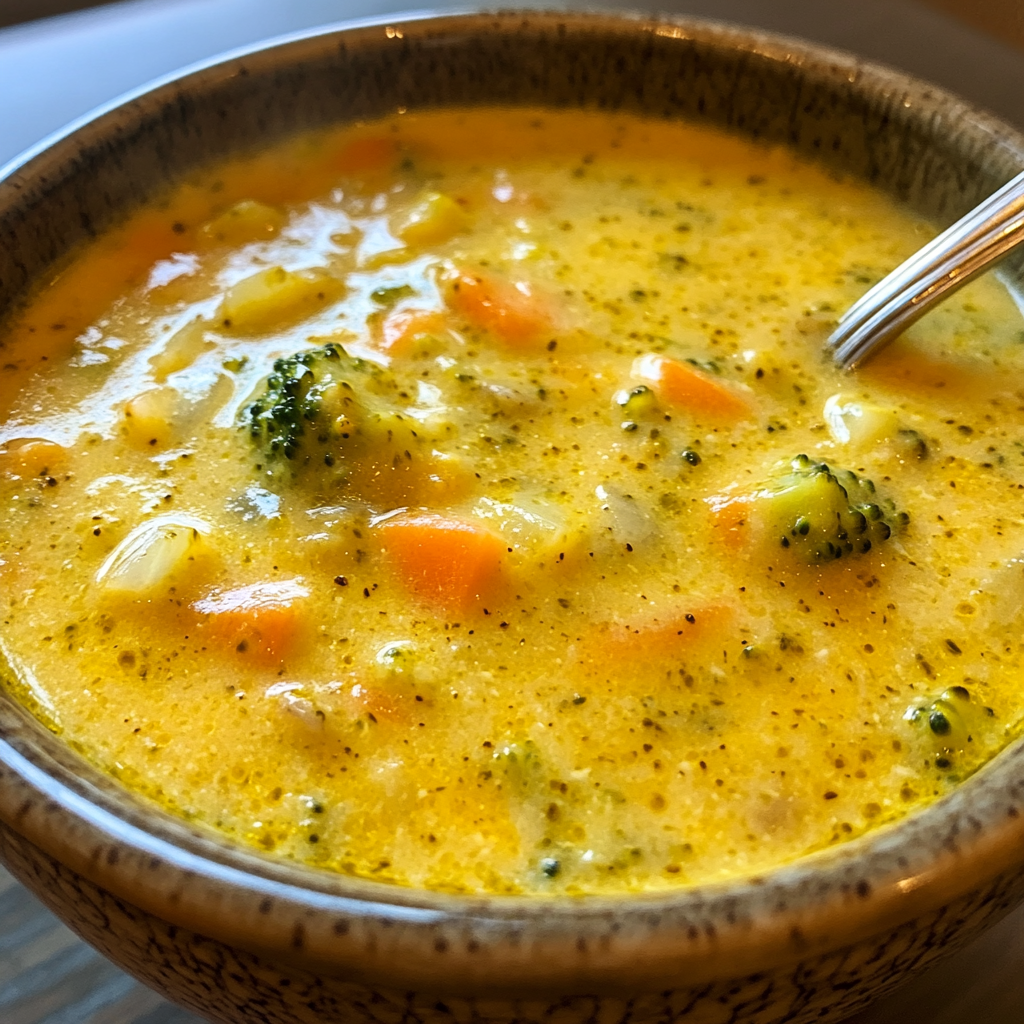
x: 247, y: 221
x: 275, y: 296
x: 149, y: 417
x: 181, y: 350
x: 435, y: 218
x: 853, y: 421
x: 31, y: 456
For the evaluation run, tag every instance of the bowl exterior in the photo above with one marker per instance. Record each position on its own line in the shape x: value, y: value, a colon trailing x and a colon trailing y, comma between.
x: 243, y: 938
x: 233, y: 985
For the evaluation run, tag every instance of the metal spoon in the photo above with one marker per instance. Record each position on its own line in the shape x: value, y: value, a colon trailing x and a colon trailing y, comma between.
x: 972, y: 245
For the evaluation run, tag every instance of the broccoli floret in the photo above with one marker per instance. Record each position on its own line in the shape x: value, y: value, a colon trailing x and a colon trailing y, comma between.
x: 821, y: 513
x: 308, y: 399
x: 322, y: 406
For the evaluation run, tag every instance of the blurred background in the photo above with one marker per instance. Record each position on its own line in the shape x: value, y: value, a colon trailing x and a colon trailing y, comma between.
x: 61, y: 58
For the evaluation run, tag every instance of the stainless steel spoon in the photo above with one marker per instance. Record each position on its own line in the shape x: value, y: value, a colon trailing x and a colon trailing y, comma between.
x: 972, y: 245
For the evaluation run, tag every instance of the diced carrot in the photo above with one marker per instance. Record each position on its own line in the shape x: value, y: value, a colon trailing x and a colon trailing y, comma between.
x: 452, y: 564
x: 260, y: 620
x: 401, y: 329
x: 662, y: 637
x: 371, y: 156
x: 729, y: 516
x: 687, y: 388
x: 509, y: 311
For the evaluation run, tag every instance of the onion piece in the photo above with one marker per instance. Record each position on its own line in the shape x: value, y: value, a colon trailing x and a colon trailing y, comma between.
x: 151, y: 554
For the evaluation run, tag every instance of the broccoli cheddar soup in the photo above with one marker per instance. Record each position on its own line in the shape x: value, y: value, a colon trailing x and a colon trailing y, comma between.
x: 463, y: 500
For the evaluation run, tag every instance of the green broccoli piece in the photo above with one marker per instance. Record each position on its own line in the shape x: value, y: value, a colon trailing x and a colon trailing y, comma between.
x: 323, y: 405
x: 821, y: 513
x: 952, y: 722
x: 308, y: 399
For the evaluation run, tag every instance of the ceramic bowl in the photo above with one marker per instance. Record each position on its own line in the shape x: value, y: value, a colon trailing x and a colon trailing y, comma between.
x: 243, y: 938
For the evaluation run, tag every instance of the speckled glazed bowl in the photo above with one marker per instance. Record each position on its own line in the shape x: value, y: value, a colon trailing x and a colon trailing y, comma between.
x: 242, y: 938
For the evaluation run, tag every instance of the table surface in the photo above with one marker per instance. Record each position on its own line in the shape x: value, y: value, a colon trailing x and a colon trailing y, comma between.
x: 55, y: 70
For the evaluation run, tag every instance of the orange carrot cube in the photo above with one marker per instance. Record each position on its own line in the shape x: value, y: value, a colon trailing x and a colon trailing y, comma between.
x: 260, y: 620
x: 685, y: 387
x: 508, y: 311
x: 450, y: 563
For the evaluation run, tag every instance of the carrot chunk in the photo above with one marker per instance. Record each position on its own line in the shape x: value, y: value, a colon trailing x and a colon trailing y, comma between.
x: 507, y: 310
x: 729, y: 516
x: 402, y: 329
x: 687, y: 388
x: 260, y: 620
x: 452, y: 564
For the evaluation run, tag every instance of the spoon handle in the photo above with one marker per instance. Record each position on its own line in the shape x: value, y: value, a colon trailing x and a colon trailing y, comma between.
x: 970, y: 246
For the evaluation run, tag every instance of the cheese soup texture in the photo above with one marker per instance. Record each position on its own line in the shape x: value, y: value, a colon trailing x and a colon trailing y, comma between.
x: 463, y: 500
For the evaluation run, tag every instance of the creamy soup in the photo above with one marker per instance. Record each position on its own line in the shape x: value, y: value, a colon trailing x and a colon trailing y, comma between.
x: 463, y: 500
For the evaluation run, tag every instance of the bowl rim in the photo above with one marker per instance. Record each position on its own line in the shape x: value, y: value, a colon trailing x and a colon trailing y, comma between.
x: 815, y: 905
